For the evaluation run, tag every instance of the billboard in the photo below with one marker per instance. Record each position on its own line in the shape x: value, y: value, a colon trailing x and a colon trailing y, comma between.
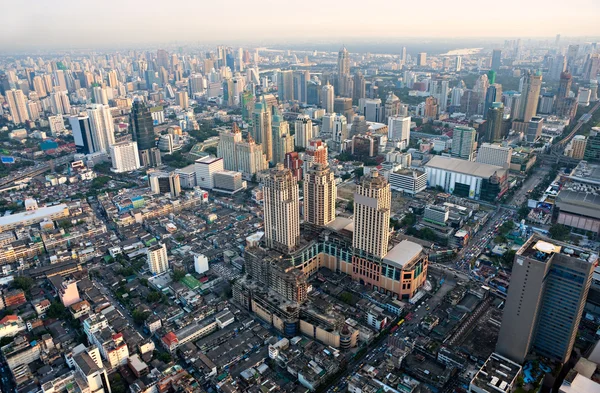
x: 7, y: 160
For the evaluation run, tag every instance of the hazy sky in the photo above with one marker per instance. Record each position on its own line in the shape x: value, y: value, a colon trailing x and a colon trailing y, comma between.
x: 105, y: 23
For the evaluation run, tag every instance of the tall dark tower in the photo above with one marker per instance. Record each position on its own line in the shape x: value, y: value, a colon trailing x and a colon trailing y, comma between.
x: 495, y: 115
x: 142, y: 125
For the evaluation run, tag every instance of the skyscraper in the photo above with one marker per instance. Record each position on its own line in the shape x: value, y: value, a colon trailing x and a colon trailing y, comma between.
x: 300, y: 80
x: 572, y: 53
x: 371, y: 109
x: 303, y: 131
x: 372, y: 204
x: 548, y: 289
x: 316, y: 151
x: 496, y: 59
x: 82, y: 133
x: 285, y: 85
x: 494, y: 122
x: 158, y: 261
x: 261, y: 128
x: 343, y: 69
x: 532, y: 85
x: 463, y: 142
x: 282, y: 210
x: 16, y: 105
x: 591, y: 67
x: 182, y: 99
x: 327, y: 97
x: 250, y: 158
x: 283, y: 141
x: 226, y: 148
x: 422, y: 59
x: 359, y: 86
x: 125, y: 157
x: 339, y: 130
x: 142, y: 125
x: 102, y: 126
x: 320, y: 194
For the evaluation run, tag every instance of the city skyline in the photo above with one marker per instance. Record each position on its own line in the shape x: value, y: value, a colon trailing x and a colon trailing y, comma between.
x: 64, y: 25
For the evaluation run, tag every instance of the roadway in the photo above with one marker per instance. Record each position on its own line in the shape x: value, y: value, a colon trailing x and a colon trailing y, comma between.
x: 38, y: 169
x: 582, y: 120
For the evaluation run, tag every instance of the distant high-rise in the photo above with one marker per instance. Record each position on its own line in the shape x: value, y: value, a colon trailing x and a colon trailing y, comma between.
x: 300, y: 80
x: 158, y: 261
x: 371, y: 109
x: 359, y: 85
x: 125, y: 157
x: 339, y: 130
x: 100, y: 95
x: 392, y: 107
x: 283, y: 141
x: 572, y: 53
x: 102, y: 126
x: 458, y: 64
x: 343, y: 106
x: 591, y: 67
x: 261, y: 128
x: 532, y: 85
x: 495, y: 115
x: 422, y: 59
x: 83, y: 135
x: 38, y: 86
x: 463, y: 142
x: 142, y: 125
x: 327, y: 97
x: 303, y: 131
x: 343, y: 69
x: 496, y: 59
x: 17, y: 106
x: 281, y: 210
x: 316, y: 152
x: 182, y: 99
x: 227, y: 147
x: 548, y: 290
x: 399, y: 128
x: 320, y: 194
x: 250, y: 157
x: 372, y: 204
x: 285, y: 85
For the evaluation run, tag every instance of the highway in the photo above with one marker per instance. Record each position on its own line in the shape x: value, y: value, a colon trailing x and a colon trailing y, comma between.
x: 559, y: 146
x: 36, y: 170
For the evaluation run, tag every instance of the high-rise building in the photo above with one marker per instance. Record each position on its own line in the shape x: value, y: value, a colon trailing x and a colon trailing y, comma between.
x: 158, y: 262
x: 493, y: 94
x: 316, y: 152
x: 548, y: 289
x: 250, y: 157
x: 343, y: 106
x: 578, y: 145
x: 125, y: 157
x: 534, y: 129
x: 320, y: 194
x: 165, y: 183
x: 343, y: 70
x: 463, y: 142
x: 285, y: 85
x: 496, y: 59
x: 494, y: 155
x: 113, y: 81
x: 495, y: 116
x: 206, y: 167
x: 532, y: 85
x: 371, y: 109
x: 59, y: 103
x: 262, y: 128
x: 226, y: 148
x: 282, y: 210
x: 303, y: 131
x: 142, y: 125
x: 102, y: 126
x: 372, y: 204
x: 399, y: 128
x: 301, y: 79
x: 392, y: 107
x: 591, y: 67
x: 422, y: 59
x: 431, y: 107
x: 359, y: 86
x: 327, y: 97
x: 592, y: 147
x: 339, y: 130
x: 283, y: 141
x: 182, y: 99
x: 38, y: 86
x: 17, y: 106
x: 83, y: 135
x: 458, y: 64
x: 100, y: 95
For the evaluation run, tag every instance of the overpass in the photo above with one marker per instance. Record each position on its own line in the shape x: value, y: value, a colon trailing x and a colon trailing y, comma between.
x: 36, y: 171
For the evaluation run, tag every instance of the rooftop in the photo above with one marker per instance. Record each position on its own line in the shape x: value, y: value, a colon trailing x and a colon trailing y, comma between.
x: 403, y: 253
x: 463, y: 166
x: 37, y: 214
x: 498, y: 374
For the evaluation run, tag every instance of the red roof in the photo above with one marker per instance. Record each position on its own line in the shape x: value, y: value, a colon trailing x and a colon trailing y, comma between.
x: 170, y: 338
x: 9, y: 318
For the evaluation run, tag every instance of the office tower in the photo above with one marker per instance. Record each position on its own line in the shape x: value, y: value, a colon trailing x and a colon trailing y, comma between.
x: 60, y: 80
x: 547, y: 293
x: 56, y: 124
x: 493, y: 126
x: 316, y: 152
x: 158, y: 262
x: 372, y: 204
x: 38, y: 86
x: 456, y: 96
x: 261, y: 128
x: 226, y: 148
x: 458, y: 64
x: 512, y: 103
x: 124, y: 156
x: 303, y: 131
x: 399, y: 128
x: 534, y: 129
x: 343, y: 73
x: 564, y: 87
x: 285, y: 85
x: 572, y: 52
x: 591, y: 67
x: 578, y: 145
x: 313, y: 92
x: 228, y: 94
x: 494, y: 155
x: 182, y: 99
x: 532, y: 84
x: 250, y: 157
x: 359, y: 86
x: 592, y: 148
x: 463, y: 142
x: 281, y: 210
x: 392, y: 107
x: 431, y: 107
x: 165, y: 183
x: 558, y: 66
x: 162, y: 58
x: 17, y: 106
x: 142, y: 125
x: 320, y: 194
x: 403, y: 55
x: 102, y: 126
x: 442, y: 96
x: 343, y: 106
x: 300, y: 80
x: 493, y: 94
x: 113, y: 82
x: 83, y: 135
x: 491, y: 76
x: 496, y: 59
x: 59, y: 103
x: 327, y: 96
x: 371, y: 109
x: 100, y: 95
x: 196, y: 84
x: 283, y: 141
x: 422, y: 59
x: 339, y: 131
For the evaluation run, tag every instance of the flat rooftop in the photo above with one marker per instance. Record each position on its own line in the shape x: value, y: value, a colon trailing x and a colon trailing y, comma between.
x: 497, y: 374
x: 340, y: 223
x: 463, y: 166
x: 37, y: 214
x: 403, y: 253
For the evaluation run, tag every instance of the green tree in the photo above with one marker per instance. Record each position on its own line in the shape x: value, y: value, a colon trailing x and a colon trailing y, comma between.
x: 559, y: 232
x: 359, y: 172
x: 140, y: 317
x: 24, y: 283
x: 163, y: 356
x: 56, y: 310
x: 523, y: 212
x: 409, y: 220
x: 153, y: 297
x: 509, y: 257
x: 178, y: 275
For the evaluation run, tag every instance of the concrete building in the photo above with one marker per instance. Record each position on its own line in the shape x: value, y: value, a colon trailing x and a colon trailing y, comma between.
x: 320, y: 194
x: 182, y: 99
x: 281, y: 210
x: 371, y: 109
x: 327, y: 98
x: 408, y: 181
x: 250, y: 158
x: 283, y: 141
x: 497, y: 375
x: 372, y: 202
x: 436, y: 214
x: 206, y: 167
x: 534, y: 129
x: 494, y: 155
x: 102, y: 126
x: 532, y: 85
x: 226, y: 148
x: 229, y: 182
x: 261, y: 130
x: 165, y: 183
x: 303, y: 131
x: 576, y: 148
x: 124, y: 157
x: 548, y: 288
x: 463, y: 142
x: 399, y: 129
x: 158, y: 262
x: 17, y: 106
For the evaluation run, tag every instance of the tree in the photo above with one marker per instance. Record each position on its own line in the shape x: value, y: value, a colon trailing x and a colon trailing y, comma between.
x: 178, y: 275
x: 499, y: 239
x: 140, y: 317
x: 359, y: 172
x: 56, y: 310
x: 409, y: 220
x: 559, y: 232
x: 523, y: 211
x: 24, y: 283
x: 509, y: 257
x: 153, y: 297
x: 211, y: 150
x: 163, y: 356
x: 346, y: 176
